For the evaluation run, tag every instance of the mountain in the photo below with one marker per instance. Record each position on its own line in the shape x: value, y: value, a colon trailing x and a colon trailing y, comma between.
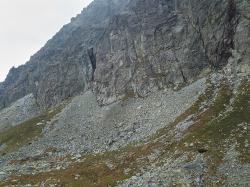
x: 144, y: 45
x: 62, y: 67
x: 133, y: 93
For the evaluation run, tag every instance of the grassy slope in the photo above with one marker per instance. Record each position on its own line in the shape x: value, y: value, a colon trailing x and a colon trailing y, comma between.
x: 216, y: 132
x: 211, y: 129
x: 20, y: 135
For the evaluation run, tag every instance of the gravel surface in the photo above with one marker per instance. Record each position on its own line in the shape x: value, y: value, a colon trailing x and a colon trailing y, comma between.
x: 174, y: 172
x: 237, y: 174
x: 85, y: 127
x: 18, y: 112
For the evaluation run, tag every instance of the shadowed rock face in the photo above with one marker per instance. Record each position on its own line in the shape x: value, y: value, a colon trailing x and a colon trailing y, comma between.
x: 62, y: 68
x: 127, y: 46
x: 158, y: 43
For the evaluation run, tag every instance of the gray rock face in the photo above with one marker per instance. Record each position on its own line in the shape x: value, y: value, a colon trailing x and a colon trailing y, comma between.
x: 18, y: 112
x: 133, y: 47
x: 62, y: 68
x: 158, y: 43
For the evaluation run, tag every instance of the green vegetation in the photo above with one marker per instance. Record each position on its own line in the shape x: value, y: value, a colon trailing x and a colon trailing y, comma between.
x: 93, y: 171
x: 218, y: 129
x: 198, y: 135
x: 193, y: 110
x: 214, y: 130
x: 216, y: 133
x: 22, y: 134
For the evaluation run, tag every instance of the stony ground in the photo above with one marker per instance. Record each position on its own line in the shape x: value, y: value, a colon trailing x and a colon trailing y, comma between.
x: 18, y: 112
x: 84, y: 127
x: 195, y: 136
x: 197, y: 164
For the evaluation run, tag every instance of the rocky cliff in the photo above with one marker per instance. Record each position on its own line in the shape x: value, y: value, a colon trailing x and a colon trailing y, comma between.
x: 159, y: 94
x: 132, y: 48
x: 62, y: 68
x: 159, y: 43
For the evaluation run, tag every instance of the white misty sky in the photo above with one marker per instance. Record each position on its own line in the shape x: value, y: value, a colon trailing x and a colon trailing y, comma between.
x: 26, y: 25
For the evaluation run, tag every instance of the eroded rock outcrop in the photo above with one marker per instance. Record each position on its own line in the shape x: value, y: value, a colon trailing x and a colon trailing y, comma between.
x: 195, y: 135
x: 62, y: 68
x: 132, y: 48
x: 158, y: 43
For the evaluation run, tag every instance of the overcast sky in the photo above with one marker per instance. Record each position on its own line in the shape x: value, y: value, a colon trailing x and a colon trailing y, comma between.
x: 26, y: 25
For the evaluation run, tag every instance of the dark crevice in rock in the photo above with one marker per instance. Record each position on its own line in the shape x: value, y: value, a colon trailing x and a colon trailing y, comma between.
x: 92, y: 58
x: 183, y: 76
x: 224, y: 47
